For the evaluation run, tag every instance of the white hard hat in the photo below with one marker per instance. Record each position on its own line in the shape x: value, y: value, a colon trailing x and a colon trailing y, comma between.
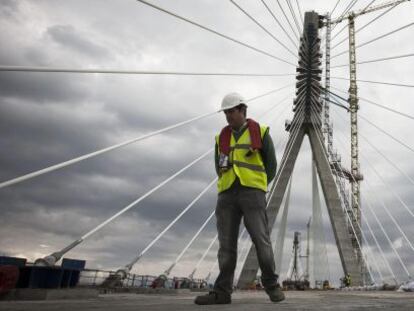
x: 232, y: 100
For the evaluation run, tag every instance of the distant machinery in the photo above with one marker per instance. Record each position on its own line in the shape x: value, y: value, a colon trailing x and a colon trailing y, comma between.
x: 297, y: 278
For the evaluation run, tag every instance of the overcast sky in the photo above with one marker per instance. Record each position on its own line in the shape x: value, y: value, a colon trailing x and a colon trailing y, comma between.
x: 48, y: 118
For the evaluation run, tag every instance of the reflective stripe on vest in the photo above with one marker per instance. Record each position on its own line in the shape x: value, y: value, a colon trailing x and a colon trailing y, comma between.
x: 249, y: 169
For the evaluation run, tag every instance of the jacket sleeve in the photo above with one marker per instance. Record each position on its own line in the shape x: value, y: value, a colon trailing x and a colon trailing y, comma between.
x: 269, y: 156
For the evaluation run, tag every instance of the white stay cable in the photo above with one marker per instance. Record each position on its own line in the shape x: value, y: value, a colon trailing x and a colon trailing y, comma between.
x: 292, y: 11
x: 300, y: 13
x: 137, y: 72
x: 297, y: 121
x: 268, y: 93
x: 387, y: 159
x: 393, y: 219
x: 282, y: 142
x: 391, y: 189
x: 185, y: 210
x: 387, y: 210
x: 278, y: 22
x: 213, y: 241
x: 389, y: 240
x: 265, y: 113
x: 288, y: 21
x: 295, y: 132
x: 278, y: 116
x: 99, y: 152
x: 212, y: 268
x: 168, y: 271
x: 147, y: 194
x: 387, y: 264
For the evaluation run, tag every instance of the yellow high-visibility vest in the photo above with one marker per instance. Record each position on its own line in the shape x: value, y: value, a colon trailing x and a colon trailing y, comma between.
x: 248, y: 168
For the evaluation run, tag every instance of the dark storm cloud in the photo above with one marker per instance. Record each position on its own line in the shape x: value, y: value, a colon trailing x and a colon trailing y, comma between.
x: 41, y: 89
x: 8, y: 8
x: 70, y: 38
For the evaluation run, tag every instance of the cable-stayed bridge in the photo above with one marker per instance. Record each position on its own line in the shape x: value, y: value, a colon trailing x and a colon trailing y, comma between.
x: 368, y: 204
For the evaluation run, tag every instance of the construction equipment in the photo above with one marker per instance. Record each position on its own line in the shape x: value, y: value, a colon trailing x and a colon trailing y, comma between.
x: 296, y: 278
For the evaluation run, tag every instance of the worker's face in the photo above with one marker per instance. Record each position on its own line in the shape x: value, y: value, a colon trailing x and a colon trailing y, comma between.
x: 235, y: 117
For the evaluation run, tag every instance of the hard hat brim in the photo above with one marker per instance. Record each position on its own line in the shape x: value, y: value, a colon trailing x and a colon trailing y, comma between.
x: 232, y: 106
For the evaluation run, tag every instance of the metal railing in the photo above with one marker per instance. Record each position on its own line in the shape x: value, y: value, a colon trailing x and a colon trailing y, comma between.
x: 96, y: 277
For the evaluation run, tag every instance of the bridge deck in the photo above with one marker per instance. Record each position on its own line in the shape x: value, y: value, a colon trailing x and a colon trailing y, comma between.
x: 310, y: 300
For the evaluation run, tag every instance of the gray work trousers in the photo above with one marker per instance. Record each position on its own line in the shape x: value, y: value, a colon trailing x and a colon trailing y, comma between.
x: 232, y: 204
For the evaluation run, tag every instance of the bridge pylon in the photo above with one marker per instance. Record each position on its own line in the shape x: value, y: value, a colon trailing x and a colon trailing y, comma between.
x: 307, y: 121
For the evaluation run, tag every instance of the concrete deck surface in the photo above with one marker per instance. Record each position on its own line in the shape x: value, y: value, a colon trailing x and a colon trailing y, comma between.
x: 243, y: 301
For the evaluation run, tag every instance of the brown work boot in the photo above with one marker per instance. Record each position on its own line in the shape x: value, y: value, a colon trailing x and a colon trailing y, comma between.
x: 275, y: 293
x: 213, y: 298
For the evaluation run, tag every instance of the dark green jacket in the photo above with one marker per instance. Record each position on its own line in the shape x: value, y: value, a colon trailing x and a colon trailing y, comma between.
x: 267, y: 152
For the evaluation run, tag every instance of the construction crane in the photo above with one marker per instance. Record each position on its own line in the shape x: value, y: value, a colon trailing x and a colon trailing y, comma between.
x: 369, y: 9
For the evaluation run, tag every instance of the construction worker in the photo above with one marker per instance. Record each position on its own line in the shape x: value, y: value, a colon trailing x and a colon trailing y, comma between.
x: 245, y: 163
x: 347, y: 280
